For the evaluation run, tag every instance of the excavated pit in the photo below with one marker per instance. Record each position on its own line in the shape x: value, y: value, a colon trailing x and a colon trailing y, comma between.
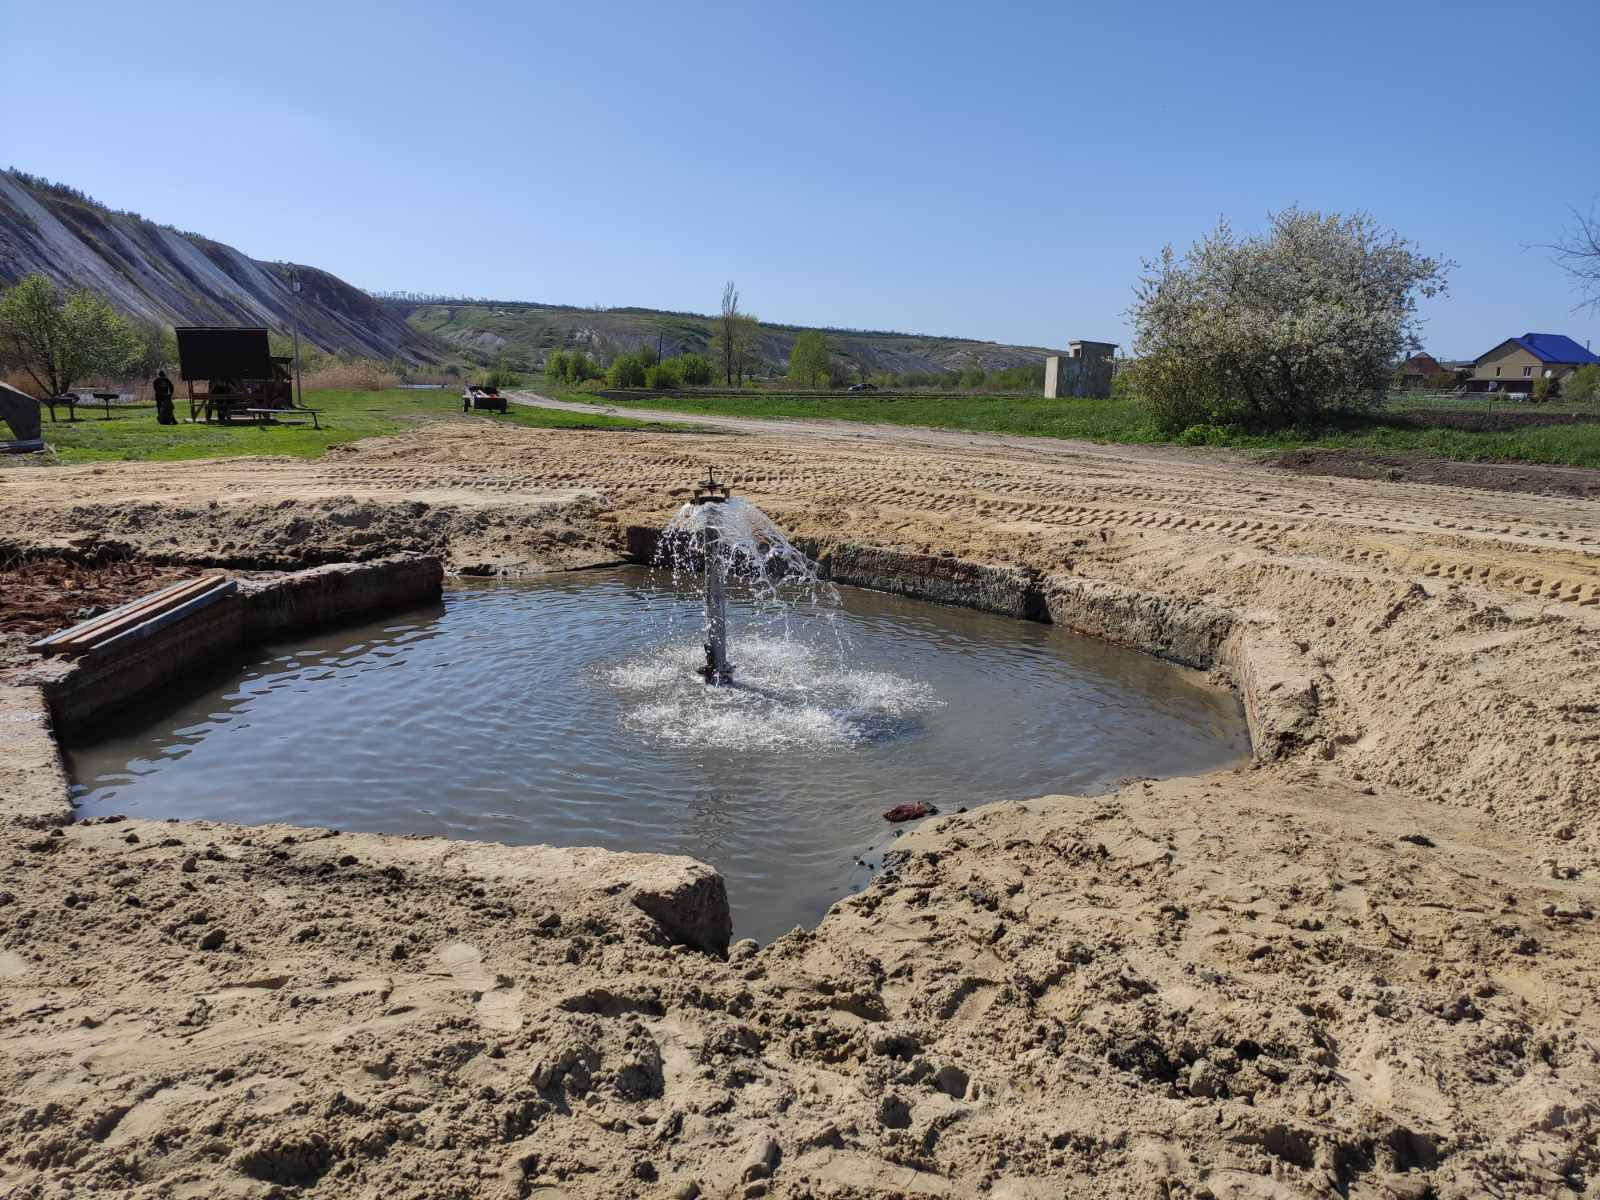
x: 567, y: 711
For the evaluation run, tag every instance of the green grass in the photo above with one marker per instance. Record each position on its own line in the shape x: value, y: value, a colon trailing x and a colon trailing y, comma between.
x: 132, y: 434
x: 1124, y: 421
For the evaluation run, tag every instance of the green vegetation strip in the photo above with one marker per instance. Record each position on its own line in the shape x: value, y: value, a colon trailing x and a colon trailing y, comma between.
x: 1123, y: 420
x: 132, y: 433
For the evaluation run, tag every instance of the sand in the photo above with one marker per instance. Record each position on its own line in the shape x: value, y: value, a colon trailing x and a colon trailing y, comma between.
x: 1366, y: 965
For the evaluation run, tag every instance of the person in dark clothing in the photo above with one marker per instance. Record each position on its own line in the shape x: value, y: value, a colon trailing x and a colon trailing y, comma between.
x: 163, y: 390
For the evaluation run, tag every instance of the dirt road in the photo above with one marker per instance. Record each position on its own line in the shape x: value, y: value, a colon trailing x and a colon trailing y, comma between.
x: 1364, y: 967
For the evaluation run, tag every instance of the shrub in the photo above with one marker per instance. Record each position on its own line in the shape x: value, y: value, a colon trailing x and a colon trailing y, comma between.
x: 694, y: 369
x: 973, y: 378
x: 555, y: 366
x: 1018, y: 379
x: 1280, y: 330
x: 578, y: 367
x: 662, y: 377
x: 1583, y: 385
x: 1203, y: 435
x: 626, y: 371
x: 1546, y: 388
x: 501, y: 378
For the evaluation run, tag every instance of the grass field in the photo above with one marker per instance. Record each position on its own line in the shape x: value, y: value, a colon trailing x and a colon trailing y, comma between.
x: 1124, y: 421
x: 133, y: 433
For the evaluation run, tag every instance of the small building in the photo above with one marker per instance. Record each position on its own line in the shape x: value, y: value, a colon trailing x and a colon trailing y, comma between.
x: 1085, y: 370
x: 1517, y: 363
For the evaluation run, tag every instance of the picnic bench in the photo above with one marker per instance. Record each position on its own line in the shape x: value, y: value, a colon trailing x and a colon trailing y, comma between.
x: 264, y: 416
x: 73, y: 399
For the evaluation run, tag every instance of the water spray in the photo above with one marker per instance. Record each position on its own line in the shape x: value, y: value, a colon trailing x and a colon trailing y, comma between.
x: 709, y: 496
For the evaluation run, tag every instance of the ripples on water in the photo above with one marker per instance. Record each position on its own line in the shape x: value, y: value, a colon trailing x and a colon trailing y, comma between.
x: 565, y: 710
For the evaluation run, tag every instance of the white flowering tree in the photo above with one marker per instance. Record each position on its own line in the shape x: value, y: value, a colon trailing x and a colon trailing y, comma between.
x: 1280, y: 329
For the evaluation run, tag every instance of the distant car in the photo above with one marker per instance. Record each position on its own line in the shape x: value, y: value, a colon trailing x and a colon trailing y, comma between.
x: 863, y: 387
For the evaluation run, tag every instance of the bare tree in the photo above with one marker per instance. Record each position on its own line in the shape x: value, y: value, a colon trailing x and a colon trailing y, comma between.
x: 1578, y: 254
x: 725, y: 336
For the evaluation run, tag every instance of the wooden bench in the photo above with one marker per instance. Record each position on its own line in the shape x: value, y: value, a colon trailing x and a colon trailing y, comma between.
x: 272, y: 416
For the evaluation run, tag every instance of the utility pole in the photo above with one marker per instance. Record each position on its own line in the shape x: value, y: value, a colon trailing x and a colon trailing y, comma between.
x: 294, y: 322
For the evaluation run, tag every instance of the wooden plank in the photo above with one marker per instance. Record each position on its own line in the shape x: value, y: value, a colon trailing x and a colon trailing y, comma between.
x: 106, y: 632
x: 87, y: 633
x: 106, y: 617
x: 90, y: 629
x: 224, y: 587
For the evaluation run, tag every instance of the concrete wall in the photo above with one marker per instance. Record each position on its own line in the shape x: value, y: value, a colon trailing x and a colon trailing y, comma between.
x: 1080, y: 377
x: 81, y: 689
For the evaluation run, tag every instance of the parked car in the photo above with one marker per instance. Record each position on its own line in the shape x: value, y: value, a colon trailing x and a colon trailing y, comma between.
x: 863, y: 387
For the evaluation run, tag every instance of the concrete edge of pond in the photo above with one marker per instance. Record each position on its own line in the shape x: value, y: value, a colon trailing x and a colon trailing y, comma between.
x: 61, y: 694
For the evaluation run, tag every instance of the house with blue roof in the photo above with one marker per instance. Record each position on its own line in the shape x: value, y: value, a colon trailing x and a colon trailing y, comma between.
x: 1517, y: 363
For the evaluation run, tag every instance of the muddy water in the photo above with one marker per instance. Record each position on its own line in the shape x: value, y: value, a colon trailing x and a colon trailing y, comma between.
x: 564, y: 711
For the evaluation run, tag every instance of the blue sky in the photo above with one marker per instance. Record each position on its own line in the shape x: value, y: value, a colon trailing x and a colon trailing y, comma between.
x: 991, y: 170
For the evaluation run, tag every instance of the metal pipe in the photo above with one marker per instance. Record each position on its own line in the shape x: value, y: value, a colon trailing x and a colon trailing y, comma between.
x: 717, y: 669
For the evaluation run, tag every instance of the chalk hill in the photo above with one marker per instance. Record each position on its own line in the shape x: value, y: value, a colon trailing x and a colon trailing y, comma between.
x: 156, y: 273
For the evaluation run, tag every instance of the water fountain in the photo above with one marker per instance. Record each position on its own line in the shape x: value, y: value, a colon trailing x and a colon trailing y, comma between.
x: 725, y: 540
x: 711, y: 496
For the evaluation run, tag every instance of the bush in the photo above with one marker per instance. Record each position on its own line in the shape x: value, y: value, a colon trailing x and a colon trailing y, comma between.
x: 1018, y: 379
x: 578, y: 367
x: 1125, y: 383
x: 662, y: 377
x: 555, y: 366
x: 1281, y: 330
x: 973, y: 378
x: 626, y: 371
x: 694, y: 369
x: 1203, y: 435
x: 501, y: 378
x: 1583, y: 385
x: 1546, y: 388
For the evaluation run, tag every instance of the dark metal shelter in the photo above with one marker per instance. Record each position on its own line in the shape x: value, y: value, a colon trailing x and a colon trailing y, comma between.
x: 237, y: 367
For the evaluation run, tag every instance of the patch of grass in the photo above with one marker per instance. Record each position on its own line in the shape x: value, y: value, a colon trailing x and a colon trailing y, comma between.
x: 1124, y: 421
x: 346, y: 416
x: 1098, y: 420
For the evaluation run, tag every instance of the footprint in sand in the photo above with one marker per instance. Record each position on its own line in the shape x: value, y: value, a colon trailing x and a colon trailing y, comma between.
x: 499, y: 1004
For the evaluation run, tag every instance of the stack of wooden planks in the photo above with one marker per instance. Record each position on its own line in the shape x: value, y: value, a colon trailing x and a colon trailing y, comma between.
x: 138, y: 618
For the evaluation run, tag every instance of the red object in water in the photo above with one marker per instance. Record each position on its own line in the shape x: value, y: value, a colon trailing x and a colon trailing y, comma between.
x: 909, y: 811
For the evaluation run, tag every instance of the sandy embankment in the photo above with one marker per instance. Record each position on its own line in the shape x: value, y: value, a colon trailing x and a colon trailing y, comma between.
x: 1366, y: 966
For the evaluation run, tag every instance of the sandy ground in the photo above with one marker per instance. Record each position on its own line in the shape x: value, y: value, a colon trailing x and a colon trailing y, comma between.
x: 1364, y: 967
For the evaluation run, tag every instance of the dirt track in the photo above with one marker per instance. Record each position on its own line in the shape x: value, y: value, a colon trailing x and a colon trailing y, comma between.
x: 1366, y: 967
